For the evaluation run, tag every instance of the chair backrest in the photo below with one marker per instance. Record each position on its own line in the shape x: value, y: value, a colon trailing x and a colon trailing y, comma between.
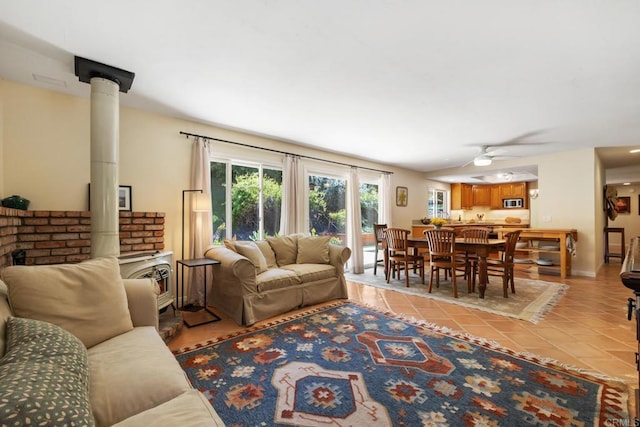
x: 441, y: 242
x: 511, y: 239
x: 475, y: 234
x: 397, y: 239
x: 378, y: 230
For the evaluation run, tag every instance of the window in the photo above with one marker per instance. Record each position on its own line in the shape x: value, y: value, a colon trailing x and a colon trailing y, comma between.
x: 437, y: 203
x: 246, y: 200
x: 327, y: 206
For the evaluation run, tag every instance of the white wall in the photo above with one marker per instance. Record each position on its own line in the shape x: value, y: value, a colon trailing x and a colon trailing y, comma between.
x: 567, y: 200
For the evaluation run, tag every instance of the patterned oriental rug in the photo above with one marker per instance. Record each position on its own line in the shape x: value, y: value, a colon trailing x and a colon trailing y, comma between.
x: 532, y: 300
x: 351, y: 365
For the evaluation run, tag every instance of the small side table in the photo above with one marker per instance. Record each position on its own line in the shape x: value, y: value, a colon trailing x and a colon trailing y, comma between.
x: 202, y: 315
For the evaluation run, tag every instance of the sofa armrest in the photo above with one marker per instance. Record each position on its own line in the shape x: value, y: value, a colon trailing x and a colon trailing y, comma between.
x: 236, y: 274
x: 142, y: 297
x: 338, y: 256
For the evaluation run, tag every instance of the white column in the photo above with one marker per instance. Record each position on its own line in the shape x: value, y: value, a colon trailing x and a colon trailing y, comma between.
x: 105, y: 130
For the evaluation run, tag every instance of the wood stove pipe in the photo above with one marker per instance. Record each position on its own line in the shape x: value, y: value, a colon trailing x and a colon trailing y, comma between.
x: 106, y: 83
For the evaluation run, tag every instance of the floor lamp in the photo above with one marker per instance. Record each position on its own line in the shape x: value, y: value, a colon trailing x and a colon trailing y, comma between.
x: 199, y: 207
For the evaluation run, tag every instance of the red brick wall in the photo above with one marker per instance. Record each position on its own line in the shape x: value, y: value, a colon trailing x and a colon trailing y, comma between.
x: 53, y: 237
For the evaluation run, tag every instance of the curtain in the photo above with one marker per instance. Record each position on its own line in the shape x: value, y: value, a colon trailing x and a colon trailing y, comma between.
x: 386, y: 199
x: 291, y: 220
x: 355, y: 223
x: 200, y: 222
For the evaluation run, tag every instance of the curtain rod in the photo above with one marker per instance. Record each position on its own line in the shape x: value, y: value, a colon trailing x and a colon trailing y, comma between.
x: 187, y: 134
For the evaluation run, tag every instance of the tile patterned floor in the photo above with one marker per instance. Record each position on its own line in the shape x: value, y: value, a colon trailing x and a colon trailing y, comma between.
x: 588, y: 328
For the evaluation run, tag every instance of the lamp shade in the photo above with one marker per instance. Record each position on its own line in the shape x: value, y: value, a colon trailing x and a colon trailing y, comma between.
x: 201, y: 202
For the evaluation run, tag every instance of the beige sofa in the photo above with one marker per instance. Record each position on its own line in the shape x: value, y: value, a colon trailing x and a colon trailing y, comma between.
x: 82, y: 345
x: 258, y: 280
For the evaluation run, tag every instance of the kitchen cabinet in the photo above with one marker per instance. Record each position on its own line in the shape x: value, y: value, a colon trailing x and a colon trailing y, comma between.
x: 514, y: 190
x: 466, y: 196
x: 461, y: 196
x: 544, y: 248
x: 481, y: 195
x: 496, y: 198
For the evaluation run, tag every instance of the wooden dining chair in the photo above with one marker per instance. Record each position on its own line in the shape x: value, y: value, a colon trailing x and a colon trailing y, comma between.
x: 400, y: 255
x: 378, y: 231
x: 503, y: 266
x: 442, y: 256
x: 468, y: 260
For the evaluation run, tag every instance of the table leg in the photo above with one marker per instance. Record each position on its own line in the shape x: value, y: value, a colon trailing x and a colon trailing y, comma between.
x: 483, y: 277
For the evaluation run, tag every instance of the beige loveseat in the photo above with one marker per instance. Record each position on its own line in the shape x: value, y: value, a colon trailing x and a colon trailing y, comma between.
x: 258, y: 280
x: 80, y: 347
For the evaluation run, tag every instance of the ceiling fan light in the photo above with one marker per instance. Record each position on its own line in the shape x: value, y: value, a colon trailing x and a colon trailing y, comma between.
x: 482, y: 161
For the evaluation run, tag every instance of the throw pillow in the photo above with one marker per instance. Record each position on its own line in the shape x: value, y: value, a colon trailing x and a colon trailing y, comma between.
x: 44, y: 376
x: 253, y: 253
x: 229, y: 244
x: 285, y: 248
x: 87, y: 299
x: 313, y: 250
x: 266, y: 250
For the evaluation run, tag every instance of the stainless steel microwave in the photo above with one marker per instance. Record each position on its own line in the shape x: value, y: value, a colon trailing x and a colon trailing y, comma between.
x: 513, y: 203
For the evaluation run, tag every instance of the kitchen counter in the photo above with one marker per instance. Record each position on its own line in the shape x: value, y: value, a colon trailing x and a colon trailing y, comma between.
x: 418, y: 228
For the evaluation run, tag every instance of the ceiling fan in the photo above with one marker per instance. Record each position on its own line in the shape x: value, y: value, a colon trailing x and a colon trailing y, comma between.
x: 488, y: 154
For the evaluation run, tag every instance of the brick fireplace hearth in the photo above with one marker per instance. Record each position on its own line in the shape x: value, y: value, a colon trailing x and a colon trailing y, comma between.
x: 54, y: 237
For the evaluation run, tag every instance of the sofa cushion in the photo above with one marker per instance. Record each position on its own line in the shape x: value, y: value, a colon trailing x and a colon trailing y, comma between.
x: 268, y: 253
x: 251, y: 251
x: 50, y: 366
x: 131, y: 373
x: 285, y: 248
x: 276, y: 278
x: 312, y: 272
x: 190, y: 409
x: 87, y: 299
x: 313, y: 250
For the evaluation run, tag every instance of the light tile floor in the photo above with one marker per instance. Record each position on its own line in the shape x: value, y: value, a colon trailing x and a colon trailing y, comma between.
x: 588, y: 328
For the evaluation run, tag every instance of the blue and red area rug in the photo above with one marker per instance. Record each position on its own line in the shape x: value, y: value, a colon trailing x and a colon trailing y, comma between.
x: 352, y: 365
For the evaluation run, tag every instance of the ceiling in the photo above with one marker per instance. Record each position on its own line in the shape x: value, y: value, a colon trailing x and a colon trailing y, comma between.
x: 419, y: 84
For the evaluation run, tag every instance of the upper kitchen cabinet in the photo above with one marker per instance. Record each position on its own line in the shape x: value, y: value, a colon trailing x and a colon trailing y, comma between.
x: 466, y: 196
x: 514, y: 190
x: 461, y: 196
x: 482, y: 195
x: 496, y: 197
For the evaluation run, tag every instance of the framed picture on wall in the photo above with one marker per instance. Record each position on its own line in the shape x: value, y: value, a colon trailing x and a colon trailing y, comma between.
x: 623, y: 205
x: 402, y: 196
x: 124, y: 197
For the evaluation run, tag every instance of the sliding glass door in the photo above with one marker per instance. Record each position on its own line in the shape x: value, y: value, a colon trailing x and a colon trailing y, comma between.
x: 369, y: 208
x: 327, y: 206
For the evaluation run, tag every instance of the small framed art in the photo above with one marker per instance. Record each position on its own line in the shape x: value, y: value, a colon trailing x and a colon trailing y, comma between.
x: 124, y: 197
x: 402, y: 196
x: 623, y: 205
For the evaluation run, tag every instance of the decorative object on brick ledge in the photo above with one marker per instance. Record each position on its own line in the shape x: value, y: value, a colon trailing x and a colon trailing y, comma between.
x: 16, y: 202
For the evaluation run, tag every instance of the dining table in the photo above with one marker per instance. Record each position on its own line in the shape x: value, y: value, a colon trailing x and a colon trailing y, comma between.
x: 481, y: 248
